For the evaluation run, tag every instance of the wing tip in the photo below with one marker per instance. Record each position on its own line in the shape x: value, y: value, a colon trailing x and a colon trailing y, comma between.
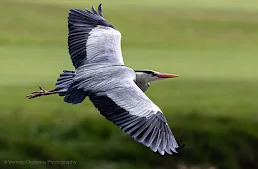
x: 100, y: 10
x: 179, y: 148
x: 167, y: 149
x: 93, y: 10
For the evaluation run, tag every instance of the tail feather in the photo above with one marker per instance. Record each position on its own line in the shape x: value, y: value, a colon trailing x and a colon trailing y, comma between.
x: 64, y: 82
x: 65, y: 87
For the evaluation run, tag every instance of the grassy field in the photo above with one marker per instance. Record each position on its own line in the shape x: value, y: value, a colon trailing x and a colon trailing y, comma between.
x: 211, y: 44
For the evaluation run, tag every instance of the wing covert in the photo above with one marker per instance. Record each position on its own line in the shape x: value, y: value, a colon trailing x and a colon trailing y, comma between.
x: 92, y: 38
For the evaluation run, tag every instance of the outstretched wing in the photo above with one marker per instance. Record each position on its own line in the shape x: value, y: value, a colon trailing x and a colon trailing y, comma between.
x: 132, y: 111
x: 92, y: 38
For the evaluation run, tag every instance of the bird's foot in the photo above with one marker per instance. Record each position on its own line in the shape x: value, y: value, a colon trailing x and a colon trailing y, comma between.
x: 41, y: 92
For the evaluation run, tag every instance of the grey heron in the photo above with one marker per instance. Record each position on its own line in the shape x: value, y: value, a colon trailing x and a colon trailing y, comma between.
x: 116, y: 91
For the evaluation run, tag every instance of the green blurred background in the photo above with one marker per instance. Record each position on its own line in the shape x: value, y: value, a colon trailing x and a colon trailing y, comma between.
x: 212, y: 107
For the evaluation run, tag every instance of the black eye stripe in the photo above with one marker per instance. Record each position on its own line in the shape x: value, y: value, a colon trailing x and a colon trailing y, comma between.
x: 146, y: 71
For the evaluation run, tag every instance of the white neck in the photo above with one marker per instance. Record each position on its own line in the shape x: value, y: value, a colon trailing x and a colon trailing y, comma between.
x: 142, y: 80
x: 142, y: 77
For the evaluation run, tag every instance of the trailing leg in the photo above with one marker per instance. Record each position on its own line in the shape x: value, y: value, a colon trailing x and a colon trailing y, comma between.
x: 65, y: 86
x: 41, y: 92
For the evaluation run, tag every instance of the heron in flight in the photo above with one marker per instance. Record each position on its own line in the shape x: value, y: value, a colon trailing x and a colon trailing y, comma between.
x: 115, y: 90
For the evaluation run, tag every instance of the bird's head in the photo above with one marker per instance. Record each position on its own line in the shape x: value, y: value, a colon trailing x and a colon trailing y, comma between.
x: 145, y: 76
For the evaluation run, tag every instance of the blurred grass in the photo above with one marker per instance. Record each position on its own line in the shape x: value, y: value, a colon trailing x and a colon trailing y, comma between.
x: 153, y: 26
x: 212, y: 107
